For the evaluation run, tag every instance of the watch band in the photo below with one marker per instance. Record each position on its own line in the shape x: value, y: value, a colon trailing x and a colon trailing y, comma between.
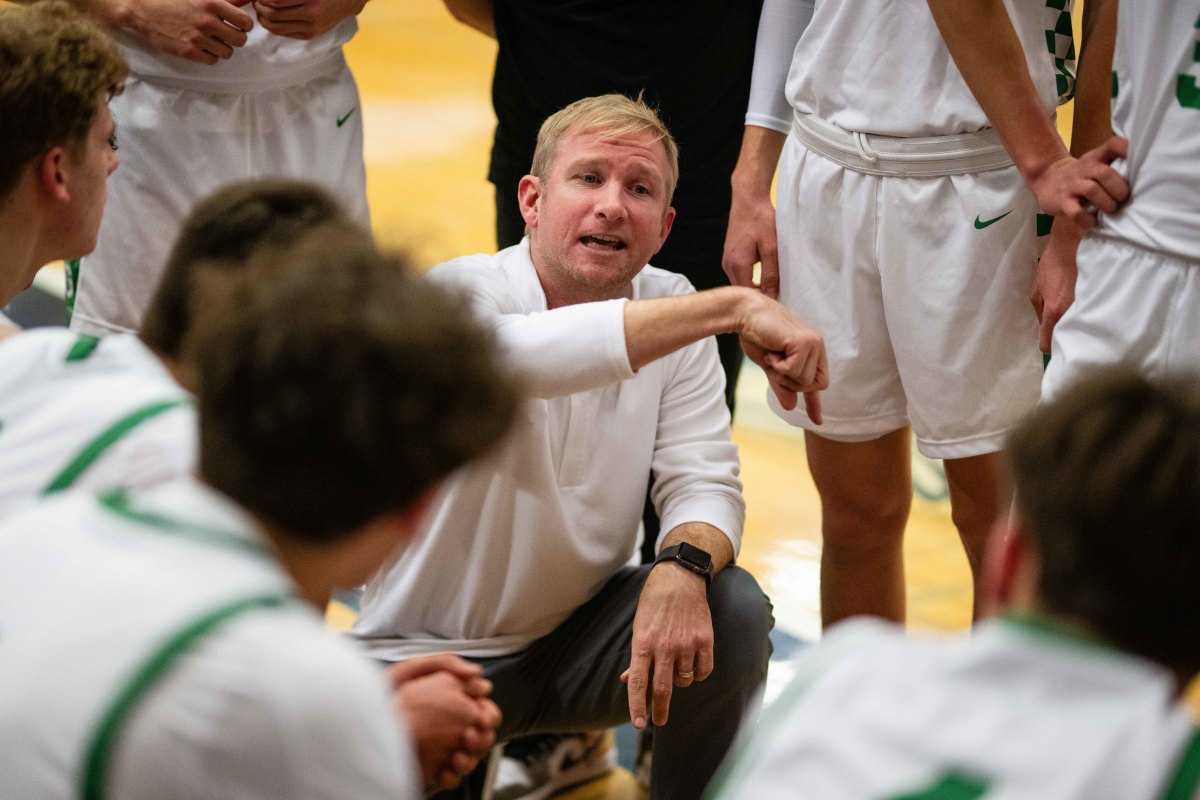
x: 690, y: 557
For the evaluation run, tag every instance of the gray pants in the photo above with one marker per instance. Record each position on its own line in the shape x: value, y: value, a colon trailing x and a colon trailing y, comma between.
x: 569, y: 680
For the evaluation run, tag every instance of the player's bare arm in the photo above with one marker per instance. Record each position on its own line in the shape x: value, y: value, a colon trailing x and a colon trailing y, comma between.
x: 1053, y: 288
x: 672, y: 629
x: 750, y: 237
x: 984, y: 45
x: 478, y: 14
x: 304, y: 19
x: 204, y: 31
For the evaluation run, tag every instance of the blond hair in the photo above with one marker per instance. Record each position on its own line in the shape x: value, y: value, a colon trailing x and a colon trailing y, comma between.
x: 611, y: 116
x: 56, y: 67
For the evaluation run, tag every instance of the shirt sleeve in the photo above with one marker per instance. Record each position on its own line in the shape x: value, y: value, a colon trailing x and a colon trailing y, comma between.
x: 695, y: 462
x: 779, y: 29
x: 553, y: 353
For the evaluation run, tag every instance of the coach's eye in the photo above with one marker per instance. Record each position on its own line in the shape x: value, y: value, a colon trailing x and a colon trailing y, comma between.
x: 112, y: 142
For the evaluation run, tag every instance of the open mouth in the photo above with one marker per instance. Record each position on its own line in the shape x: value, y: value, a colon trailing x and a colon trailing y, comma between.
x: 602, y: 242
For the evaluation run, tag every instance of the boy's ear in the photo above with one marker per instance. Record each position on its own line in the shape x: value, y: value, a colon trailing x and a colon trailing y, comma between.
x: 54, y: 173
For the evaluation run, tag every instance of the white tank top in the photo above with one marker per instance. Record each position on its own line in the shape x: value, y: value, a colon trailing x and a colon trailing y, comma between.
x: 880, y: 66
x: 1156, y: 80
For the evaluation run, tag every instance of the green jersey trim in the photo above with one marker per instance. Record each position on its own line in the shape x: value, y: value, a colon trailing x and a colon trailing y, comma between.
x: 84, y: 346
x: 951, y: 786
x: 1186, y: 780
x: 99, y: 752
x: 71, y: 288
x: 107, y: 438
x: 118, y: 504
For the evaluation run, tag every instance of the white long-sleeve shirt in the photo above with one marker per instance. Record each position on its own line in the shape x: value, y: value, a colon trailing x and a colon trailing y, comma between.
x: 518, y: 541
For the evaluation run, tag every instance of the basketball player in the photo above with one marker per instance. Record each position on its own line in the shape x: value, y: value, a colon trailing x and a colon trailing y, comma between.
x: 1072, y: 690
x: 905, y: 232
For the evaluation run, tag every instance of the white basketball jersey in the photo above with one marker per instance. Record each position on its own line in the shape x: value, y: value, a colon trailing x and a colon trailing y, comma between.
x: 1016, y: 711
x: 1156, y: 106
x: 82, y: 412
x: 881, y: 66
x: 153, y: 647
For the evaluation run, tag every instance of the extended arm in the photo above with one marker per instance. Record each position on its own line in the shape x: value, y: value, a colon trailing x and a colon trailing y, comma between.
x: 981, y: 38
x: 198, y: 30
x: 479, y: 14
x: 579, y: 347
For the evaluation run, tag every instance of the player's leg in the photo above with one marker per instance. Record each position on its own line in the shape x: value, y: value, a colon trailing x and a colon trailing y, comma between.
x: 978, y: 496
x: 961, y: 252
x: 866, y: 493
x: 859, y: 457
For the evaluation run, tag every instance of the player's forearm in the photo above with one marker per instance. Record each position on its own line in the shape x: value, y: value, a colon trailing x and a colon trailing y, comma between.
x: 981, y: 39
x: 478, y: 14
x: 1092, y: 122
x: 757, y: 161
x: 707, y: 538
x: 659, y: 326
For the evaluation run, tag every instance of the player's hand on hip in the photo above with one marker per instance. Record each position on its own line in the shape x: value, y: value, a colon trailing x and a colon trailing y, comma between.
x: 672, y: 641
x: 204, y: 31
x: 1078, y: 188
x: 304, y: 19
x: 750, y: 239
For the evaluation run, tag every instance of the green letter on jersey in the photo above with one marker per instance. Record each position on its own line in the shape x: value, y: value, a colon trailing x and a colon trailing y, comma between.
x: 951, y: 786
x: 1186, y: 91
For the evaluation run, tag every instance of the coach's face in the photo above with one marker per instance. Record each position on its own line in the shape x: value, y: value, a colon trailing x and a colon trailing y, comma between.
x: 598, y: 216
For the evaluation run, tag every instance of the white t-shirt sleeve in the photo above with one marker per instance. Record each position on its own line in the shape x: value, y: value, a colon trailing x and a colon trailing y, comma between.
x: 554, y: 353
x: 270, y: 708
x: 779, y: 29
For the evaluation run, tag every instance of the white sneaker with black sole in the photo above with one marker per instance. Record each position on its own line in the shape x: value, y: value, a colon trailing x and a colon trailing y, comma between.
x: 535, y: 767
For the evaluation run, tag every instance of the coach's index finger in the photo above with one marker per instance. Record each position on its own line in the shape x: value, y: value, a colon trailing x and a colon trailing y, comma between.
x: 636, y: 679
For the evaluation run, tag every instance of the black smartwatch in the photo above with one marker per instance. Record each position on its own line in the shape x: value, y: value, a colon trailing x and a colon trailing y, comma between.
x: 690, y: 557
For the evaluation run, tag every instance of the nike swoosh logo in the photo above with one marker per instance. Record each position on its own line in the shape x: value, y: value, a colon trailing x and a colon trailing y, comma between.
x: 981, y: 225
x: 342, y: 120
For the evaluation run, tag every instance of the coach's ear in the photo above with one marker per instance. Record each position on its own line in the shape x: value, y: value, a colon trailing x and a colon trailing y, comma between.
x: 529, y: 195
x: 1010, y: 568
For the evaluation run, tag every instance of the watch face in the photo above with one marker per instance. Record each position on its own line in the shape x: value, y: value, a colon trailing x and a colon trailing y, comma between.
x: 695, y: 556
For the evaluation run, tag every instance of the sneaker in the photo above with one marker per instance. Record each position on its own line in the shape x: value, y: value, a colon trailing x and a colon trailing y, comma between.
x: 535, y: 767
